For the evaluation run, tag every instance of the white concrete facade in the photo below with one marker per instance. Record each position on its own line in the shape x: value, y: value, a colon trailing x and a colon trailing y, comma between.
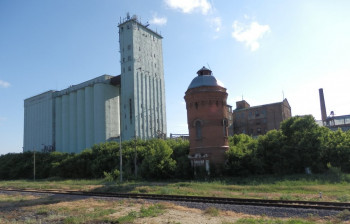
x: 142, y: 81
x: 38, y: 122
x: 86, y: 114
x: 100, y: 109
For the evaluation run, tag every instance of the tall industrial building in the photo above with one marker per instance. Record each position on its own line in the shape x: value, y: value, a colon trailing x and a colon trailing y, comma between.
x: 131, y: 105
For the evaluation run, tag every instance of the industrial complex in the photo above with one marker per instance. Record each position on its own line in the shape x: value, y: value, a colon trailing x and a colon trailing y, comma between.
x: 332, y: 122
x: 131, y: 105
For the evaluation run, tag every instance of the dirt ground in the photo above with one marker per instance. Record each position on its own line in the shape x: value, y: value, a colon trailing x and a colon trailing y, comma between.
x: 16, y: 208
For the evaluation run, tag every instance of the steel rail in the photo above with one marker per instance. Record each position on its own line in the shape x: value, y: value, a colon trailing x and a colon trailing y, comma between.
x: 214, y: 200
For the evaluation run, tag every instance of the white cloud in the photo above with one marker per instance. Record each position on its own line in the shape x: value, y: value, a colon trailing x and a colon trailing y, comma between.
x: 4, y: 84
x: 216, y: 23
x: 159, y: 20
x: 249, y: 34
x: 188, y: 6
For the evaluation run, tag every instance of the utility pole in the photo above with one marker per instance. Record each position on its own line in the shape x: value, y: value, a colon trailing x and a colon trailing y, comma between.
x: 120, y: 158
x: 135, y: 158
x: 34, y: 163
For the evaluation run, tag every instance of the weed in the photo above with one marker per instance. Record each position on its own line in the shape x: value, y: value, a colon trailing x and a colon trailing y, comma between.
x: 144, y: 189
x: 343, y: 198
x: 286, y: 197
x: 165, y: 190
x: 42, y: 211
x: 344, y: 215
x: 99, y: 212
x: 152, y: 211
x: 73, y: 220
x: 127, y: 218
x: 211, y: 211
x: 271, y: 221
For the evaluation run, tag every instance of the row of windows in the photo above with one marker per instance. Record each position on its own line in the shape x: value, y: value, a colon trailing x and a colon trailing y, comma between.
x: 252, y: 131
x: 256, y: 113
x: 196, y: 104
x: 199, y: 124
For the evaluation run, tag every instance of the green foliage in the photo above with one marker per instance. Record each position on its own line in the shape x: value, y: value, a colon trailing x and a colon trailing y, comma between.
x: 152, y: 211
x: 300, y: 144
x: 111, y: 176
x: 241, y: 156
x: 158, y: 162
x: 181, y: 149
x: 158, y: 158
x: 129, y: 218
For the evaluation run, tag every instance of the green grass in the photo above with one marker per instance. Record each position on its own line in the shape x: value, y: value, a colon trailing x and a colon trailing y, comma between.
x: 129, y: 218
x: 272, y: 221
x: 293, y: 187
x: 151, y: 211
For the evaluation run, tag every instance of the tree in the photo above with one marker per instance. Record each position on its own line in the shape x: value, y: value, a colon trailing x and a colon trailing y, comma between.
x: 158, y: 162
x: 302, y: 147
x: 241, y: 156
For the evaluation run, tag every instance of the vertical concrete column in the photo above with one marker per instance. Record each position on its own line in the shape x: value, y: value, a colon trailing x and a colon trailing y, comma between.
x: 112, y: 111
x: 99, y: 113
x: 81, y: 120
x: 65, y: 123
x: 58, y: 121
x: 73, y: 122
x: 89, y: 117
x: 147, y: 107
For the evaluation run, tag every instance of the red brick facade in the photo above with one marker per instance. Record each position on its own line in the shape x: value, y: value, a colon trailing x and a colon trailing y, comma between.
x: 207, y: 119
x: 258, y: 120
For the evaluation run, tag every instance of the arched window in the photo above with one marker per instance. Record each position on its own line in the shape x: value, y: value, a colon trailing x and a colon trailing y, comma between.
x: 198, y: 125
x: 225, y: 127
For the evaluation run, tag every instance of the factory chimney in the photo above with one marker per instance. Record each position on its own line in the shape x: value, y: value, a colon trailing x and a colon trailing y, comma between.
x: 323, y: 106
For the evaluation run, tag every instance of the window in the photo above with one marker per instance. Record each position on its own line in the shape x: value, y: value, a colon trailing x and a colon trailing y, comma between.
x: 198, y: 126
x: 128, y: 27
x: 129, y: 47
x: 129, y: 58
x: 196, y: 105
x: 129, y: 68
x: 257, y: 113
x: 225, y: 127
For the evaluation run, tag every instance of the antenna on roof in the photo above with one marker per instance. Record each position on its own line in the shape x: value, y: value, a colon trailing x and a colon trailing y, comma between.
x: 282, y: 95
x: 208, y: 65
x: 242, y: 97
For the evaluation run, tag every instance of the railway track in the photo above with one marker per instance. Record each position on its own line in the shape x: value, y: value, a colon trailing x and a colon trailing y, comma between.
x: 336, y: 206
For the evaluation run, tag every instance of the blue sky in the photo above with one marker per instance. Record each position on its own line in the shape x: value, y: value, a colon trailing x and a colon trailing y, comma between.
x: 258, y: 49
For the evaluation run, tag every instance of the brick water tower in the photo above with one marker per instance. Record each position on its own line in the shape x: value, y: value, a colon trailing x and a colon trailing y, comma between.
x: 207, y: 120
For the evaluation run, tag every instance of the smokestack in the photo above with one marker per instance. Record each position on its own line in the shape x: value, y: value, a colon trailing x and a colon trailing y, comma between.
x: 323, y: 105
